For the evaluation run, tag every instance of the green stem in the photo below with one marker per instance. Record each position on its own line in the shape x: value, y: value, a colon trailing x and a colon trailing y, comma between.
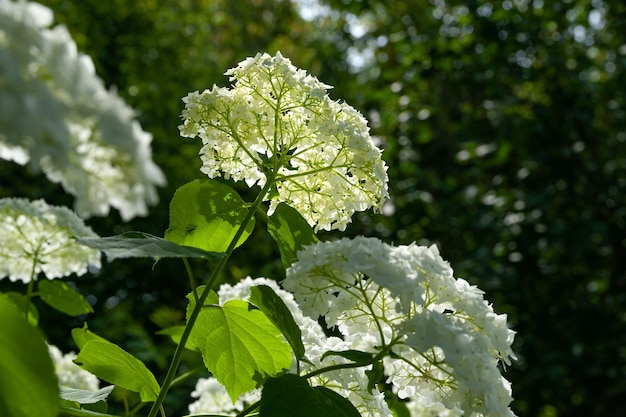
x: 187, y: 375
x: 192, y: 281
x: 74, y: 412
x: 29, y: 295
x: 31, y: 284
x: 171, y: 373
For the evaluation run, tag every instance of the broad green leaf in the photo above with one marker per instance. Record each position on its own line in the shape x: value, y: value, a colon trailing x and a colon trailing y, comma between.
x: 28, y: 384
x: 206, y: 214
x: 22, y: 303
x: 111, y: 363
x: 291, y: 232
x: 144, y: 245
x: 82, y: 396
x: 197, y: 338
x: 242, y: 346
x: 82, y: 335
x: 275, y: 309
x: 291, y: 395
x: 356, y: 356
x: 60, y: 296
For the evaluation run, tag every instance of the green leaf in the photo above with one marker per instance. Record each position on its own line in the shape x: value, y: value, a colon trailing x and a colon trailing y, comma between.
x: 355, y: 356
x: 82, y: 335
x: 375, y: 375
x: 291, y: 395
x: 242, y: 346
x: 206, y: 214
x: 73, y: 412
x: 144, y: 245
x: 275, y: 309
x: 28, y: 384
x: 82, y: 396
x: 291, y: 232
x: 197, y: 337
x: 22, y: 303
x: 60, y: 296
x: 397, y: 407
x: 108, y: 361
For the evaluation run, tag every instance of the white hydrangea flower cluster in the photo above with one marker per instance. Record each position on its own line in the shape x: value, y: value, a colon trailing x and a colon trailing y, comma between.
x: 351, y: 383
x: 278, y: 122
x: 69, y: 374
x: 417, y: 408
x: 448, y: 337
x: 212, y: 398
x: 58, y: 117
x: 38, y: 238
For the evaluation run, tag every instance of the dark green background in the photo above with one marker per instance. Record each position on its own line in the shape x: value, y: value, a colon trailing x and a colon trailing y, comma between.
x: 505, y: 134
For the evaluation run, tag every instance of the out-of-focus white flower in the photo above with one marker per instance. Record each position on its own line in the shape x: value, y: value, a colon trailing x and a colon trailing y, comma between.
x: 212, y: 398
x: 38, y: 238
x: 278, y: 123
x: 71, y: 375
x: 446, y: 338
x: 57, y: 116
x: 417, y: 408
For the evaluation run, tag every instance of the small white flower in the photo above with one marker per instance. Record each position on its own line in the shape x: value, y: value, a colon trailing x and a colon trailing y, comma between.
x: 38, y: 238
x: 69, y: 374
x: 278, y: 123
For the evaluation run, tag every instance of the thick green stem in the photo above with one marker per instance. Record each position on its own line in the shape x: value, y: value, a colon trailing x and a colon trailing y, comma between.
x: 171, y: 373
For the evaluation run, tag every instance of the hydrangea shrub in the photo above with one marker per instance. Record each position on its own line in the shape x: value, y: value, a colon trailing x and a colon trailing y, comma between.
x: 358, y: 327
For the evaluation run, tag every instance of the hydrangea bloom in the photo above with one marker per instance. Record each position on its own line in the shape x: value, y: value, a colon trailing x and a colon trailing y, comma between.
x: 277, y: 123
x: 57, y: 116
x: 212, y: 398
x: 71, y: 375
x: 449, y: 338
x: 38, y: 238
x: 351, y: 383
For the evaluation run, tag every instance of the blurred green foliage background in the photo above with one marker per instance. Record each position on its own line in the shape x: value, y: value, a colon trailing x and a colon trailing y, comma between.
x: 504, y: 127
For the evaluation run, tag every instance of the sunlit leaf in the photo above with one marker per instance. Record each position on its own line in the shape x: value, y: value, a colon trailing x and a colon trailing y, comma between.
x: 60, y: 296
x: 82, y: 335
x: 113, y: 364
x: 197, y: 337
x: 28, y: 384
x: 242, y: 347
x: 206, y: 214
